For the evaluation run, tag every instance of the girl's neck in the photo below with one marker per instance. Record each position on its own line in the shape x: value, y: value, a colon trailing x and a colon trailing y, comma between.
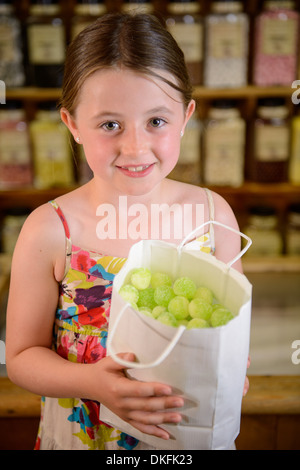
x: 99, y: 193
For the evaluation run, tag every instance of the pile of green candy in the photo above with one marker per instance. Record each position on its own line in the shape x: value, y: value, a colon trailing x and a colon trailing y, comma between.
x: 174, y: 303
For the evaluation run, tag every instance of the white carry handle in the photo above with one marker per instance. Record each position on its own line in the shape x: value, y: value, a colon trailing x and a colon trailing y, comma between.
x: 238, y: 256
x: 138, y: 365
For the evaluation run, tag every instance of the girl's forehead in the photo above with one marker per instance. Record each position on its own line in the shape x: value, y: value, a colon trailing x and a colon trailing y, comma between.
x: 115, y: 80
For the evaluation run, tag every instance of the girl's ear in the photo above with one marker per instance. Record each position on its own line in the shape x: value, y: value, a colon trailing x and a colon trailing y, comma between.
x: 189, y: 112
x: 69, y: 121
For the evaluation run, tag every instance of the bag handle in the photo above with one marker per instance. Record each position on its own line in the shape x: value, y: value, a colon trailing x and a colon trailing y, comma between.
x: 138, y: 365
x: 238, y: 256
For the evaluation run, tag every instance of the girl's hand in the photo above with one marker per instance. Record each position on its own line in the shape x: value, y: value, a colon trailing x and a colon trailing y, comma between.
x: 144, y: 405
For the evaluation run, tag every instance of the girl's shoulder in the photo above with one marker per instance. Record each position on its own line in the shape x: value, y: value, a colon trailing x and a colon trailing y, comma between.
x: 189, y: 193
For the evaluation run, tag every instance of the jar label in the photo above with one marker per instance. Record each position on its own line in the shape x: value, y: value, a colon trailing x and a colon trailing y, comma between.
x: 228, y: 40
x: 190, y: 40
x: 279, y: 37
x: 50, y: 145
x: 14, y: 147
x: 46, y: 44
x: 224, y: 154
x: 272, y: 143
x: 7, y: 42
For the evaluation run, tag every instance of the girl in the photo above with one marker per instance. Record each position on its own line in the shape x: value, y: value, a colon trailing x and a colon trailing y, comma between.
x: 127, y: 99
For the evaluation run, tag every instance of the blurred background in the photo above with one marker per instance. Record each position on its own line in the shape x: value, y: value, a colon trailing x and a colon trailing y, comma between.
x: 243, y: 142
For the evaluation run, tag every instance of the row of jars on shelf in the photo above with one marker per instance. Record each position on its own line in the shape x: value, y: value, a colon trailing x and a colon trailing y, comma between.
x: 268, y: 236
x: 220, y: 150
x: 266, y: 149
x: 216, y: 46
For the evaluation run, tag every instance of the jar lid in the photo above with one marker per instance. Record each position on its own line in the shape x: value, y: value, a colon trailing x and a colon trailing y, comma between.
x: 272, y: 108
x: 224, y: 104
x: 227, y: 6
x: 142, y: 6
x: 279, y: 5
x: 184, y: 7
x: 264, y: 217
x: 44, y: 7
x: 272, y: 101
x: 17, y: 212
x: 90, y: 7
x: 262, y: 211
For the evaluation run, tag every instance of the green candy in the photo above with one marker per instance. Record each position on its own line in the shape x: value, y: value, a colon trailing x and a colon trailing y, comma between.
x: 141, y: 278
x: 167, y: 318
x: 160, y: 279
x: 197, y: 323
x: 179, y: 307
x: 158, y: 310
x: 146, y: 298
x: 221, y: 316
x: 146, y: 311
x: 185, y: 286
x: 199, y: 308
x: 129, y: 293
x: 204, y: 293
x: 163, y: 295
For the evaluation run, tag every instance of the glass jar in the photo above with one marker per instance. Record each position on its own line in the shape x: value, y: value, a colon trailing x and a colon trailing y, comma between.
x: 293, y: 231
x: 263, y: 230
x: 224, y: 145
x: 186, y: 26
x: 270, y: 159
x: 11, y: 227
x: 15, y: 153
x: 11, y: 54
x: 46, y: 43
x: 85, y: 12
x: 138, y: 6
x: 188, y: 165
x: 276, y: 38
x: 52, y: 157
x: 227, y: 40
x: 294, y: 165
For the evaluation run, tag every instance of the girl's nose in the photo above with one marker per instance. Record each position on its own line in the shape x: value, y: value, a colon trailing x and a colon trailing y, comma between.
x: 134, y: 143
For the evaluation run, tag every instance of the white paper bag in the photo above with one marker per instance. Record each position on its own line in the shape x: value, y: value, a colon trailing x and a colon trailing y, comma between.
x: 206, y: 366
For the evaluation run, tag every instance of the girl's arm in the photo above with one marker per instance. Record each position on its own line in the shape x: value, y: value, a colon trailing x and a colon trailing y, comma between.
x: 34, y: 366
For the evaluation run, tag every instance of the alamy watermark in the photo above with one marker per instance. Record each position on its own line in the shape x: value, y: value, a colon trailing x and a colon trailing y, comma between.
x: 2, y: 352
x: 296, y: 354
x: 157, y: 222
x: 296, y: 94
x: 2, y: 92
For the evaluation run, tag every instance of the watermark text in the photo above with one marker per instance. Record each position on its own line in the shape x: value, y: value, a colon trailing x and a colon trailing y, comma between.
x: 137, y: 221
x: 2, y: 92
x: 2, y: 352
x: 296, y: 354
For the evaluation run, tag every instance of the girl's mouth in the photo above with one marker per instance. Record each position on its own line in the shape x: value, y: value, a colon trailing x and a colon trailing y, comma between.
x: 136, y: 171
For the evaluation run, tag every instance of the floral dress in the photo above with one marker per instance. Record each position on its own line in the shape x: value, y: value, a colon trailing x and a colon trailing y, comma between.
x: 79, y: 335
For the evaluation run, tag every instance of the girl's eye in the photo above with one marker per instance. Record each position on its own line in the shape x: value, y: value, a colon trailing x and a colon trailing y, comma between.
x: 110, y: 126
x: 157, y: 122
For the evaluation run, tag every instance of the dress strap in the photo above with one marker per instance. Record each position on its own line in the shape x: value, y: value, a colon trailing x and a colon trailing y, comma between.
x: 67, y: 234
x: 211, y: 215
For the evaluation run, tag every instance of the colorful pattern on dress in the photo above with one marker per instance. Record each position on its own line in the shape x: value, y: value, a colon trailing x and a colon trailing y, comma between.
x: 80, y: 333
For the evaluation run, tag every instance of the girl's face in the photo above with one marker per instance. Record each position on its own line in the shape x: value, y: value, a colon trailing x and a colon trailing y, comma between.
x: 130, y: 127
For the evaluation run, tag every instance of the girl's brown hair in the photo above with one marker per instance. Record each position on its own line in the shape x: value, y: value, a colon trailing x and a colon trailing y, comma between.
x: 135, y: 41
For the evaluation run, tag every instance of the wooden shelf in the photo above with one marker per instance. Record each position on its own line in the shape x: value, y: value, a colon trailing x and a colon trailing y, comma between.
x: 200, y: 92
x: 250, y: 91
x: 249, y: 190
x: 33, y: 94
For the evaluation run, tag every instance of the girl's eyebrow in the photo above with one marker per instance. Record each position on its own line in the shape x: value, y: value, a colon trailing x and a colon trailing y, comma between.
x: 153, y: 111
